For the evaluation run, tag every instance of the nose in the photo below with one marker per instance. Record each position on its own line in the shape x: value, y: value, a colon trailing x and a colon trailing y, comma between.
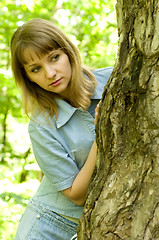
x: 50, y: 71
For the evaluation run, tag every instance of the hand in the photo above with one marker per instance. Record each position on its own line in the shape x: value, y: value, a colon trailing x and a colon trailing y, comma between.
x: 96, y: 113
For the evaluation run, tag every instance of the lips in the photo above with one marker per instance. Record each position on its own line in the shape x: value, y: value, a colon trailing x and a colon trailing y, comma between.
x: 56, y: 82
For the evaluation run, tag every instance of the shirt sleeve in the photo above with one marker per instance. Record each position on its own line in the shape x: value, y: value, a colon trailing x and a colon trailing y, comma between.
x: 53, y: 158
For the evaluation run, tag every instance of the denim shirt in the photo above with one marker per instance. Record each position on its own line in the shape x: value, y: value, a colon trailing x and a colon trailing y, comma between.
x: 61, y: 148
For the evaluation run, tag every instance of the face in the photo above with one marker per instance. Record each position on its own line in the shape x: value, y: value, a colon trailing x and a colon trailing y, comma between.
x: 51, y: 71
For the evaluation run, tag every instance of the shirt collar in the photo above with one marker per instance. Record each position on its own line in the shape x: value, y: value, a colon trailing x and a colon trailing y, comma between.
x: 65, y: 110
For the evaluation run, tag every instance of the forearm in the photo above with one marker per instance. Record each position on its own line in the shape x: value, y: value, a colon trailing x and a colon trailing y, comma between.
x: 77, y: 192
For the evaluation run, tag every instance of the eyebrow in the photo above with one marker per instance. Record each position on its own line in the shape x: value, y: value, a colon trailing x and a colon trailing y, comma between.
x: 49, y: 55
x: 31, y: 65
x: 53, y: 52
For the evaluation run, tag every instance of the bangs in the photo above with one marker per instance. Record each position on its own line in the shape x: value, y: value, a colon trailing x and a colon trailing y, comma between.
x: 40, y: 46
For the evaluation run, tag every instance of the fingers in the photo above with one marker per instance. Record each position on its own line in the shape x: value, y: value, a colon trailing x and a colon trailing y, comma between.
x: 96, y: 113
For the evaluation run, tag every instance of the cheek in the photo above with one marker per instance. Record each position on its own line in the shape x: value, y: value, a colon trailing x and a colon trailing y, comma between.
x: 30, y: 78
x: 69, y: 72
x: 67, y: 63
x: 35, y: 77
x: 69, y: 68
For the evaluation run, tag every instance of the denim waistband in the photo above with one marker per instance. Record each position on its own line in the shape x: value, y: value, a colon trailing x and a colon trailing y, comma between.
x: 42, y: 210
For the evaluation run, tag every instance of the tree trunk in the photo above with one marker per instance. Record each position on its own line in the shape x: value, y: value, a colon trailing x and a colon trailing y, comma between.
x: 123, y: 198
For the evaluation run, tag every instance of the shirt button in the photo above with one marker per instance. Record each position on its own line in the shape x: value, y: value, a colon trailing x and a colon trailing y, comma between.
x: 38, y: 216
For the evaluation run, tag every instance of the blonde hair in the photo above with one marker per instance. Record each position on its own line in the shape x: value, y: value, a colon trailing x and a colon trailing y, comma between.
x: 43, y: 37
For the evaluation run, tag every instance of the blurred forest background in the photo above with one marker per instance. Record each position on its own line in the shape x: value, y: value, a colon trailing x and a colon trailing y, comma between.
x: 91, y: 24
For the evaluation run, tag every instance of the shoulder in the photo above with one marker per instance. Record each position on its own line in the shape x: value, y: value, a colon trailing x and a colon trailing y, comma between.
x: 103, y: 74
x: 41, y: 121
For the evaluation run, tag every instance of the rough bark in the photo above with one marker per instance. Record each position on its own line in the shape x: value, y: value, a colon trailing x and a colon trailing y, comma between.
x: 123, y: 199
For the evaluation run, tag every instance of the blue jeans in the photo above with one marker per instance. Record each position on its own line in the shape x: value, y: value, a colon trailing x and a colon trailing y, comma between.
x: 38, y: 223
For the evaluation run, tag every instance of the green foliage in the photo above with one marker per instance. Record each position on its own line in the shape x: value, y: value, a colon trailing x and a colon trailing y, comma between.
x: 10, y: 98
x: 92, y: 27
x: 13, y: 200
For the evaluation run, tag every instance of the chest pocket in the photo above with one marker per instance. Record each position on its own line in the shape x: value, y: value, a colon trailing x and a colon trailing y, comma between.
x: 78, y: 134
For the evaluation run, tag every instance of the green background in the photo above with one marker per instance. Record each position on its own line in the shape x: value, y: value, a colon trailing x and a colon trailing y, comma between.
x: 92, y: 27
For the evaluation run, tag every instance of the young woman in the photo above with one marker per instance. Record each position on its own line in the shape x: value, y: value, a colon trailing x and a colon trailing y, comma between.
x: 62, y: 97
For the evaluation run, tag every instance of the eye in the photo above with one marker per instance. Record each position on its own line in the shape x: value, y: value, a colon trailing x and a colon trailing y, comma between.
x: 55, y: 57
x: 35, y: 69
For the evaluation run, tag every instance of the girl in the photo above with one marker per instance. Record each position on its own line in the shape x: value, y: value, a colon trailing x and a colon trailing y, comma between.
x: 62, y: 97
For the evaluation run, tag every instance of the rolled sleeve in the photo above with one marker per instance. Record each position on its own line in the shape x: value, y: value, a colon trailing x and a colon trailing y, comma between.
x: 53, y: 158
